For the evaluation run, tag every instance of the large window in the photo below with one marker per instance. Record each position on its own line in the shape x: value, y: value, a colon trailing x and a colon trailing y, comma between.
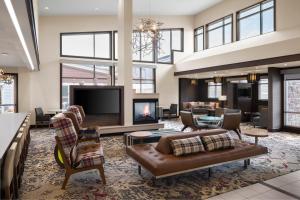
x: 172, y: 40
x: 143, y: 79
x: 219, y: 32
x: 74, y: 74
x: 8, y: 96
x: 86, y: 45
x: 199, y: 39
x: 292, y: 103
x: 214, y: 90
x: 263, y: 89
x: 256, y: 20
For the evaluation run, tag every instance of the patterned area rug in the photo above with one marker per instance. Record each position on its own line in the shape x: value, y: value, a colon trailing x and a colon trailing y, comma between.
x: 43, y: 178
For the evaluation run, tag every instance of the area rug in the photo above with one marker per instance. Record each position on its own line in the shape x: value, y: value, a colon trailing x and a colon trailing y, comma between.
x: 43, y: 178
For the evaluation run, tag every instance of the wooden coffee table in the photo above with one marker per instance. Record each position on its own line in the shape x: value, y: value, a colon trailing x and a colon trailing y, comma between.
x: 256, y: 135
x: 137, y: 135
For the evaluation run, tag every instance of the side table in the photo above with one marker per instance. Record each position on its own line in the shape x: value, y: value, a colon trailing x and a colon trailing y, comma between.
x: 256, y: 135
x: 137, y: 135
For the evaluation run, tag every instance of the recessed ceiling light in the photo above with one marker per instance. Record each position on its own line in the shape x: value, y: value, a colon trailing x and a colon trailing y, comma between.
x: 4, y: 54
x: 96, y: 9
x: 46, y: 8
x: 215, y: 72
x: 285, y: 64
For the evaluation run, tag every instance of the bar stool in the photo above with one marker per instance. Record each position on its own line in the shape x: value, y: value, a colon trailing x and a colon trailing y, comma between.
x: 8, y: 172
x: 25, y: 130
x: 27, y: 121
x: 19, y: 160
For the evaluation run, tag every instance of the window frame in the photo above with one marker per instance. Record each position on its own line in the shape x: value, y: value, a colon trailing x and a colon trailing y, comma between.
x: 155, y: 54
x: 258, y: 89
x: 215, y: 88
x: 141, y: 79
x: 16, y: 91
x: 260, y: 18
x: 223, y: 31
x: 94, y: 47
x: 111, y: 71
x: 196, y: 48
x: 284, y: 106
x: 171, y: 49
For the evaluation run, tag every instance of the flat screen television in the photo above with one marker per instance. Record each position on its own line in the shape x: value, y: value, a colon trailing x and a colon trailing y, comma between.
x: 98, y: 100
x: 244, y: 92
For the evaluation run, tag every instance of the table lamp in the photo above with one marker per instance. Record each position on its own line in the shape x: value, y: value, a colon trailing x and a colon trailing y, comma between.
x: 222, y: 99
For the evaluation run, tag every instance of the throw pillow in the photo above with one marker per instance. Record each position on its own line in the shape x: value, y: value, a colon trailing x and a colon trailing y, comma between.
x: 220, y: 141
x: 187, y: 146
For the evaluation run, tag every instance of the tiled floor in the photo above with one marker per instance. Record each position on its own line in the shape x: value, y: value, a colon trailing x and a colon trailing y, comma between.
x: 286, y: 187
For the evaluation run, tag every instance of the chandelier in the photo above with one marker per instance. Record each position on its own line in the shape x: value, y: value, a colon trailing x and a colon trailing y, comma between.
x: 218, y: 79
x: 252, y: 78
x: 147, y: 36
x: 4, y: 78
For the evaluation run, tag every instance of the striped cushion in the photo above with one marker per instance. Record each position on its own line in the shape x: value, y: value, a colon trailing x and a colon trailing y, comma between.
x: 187, y: 146
x: 220, y: 141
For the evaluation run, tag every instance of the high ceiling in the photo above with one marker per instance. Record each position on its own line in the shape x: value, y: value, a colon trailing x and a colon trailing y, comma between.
x: 110, y: 7
x: 12, y: 53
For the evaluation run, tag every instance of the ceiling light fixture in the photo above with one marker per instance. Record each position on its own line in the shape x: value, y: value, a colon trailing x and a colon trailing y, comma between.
x: 46, y: 8
x: 96, y: 9
x: 148, y: 35
x: 15, y: 21
x: 252, y: 78
x: 5, y: 79
x: 4, y: 54
x: 218, y: 79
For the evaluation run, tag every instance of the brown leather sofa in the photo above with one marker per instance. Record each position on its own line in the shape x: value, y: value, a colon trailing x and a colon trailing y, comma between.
x: 158, y: 159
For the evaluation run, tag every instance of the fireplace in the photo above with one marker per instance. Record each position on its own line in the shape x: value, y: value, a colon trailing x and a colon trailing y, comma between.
x: 144, y: 111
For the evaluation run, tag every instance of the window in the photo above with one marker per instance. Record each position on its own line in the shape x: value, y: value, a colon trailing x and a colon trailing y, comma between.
x: 8, y: 96
x: 75, y: 74
x: 263, y: 89
x: 292, y: 102
x: 165, y: 50
x: 256, y: 20
x: 143, y: 79
x: 199, y: 39
x: 214, y: 90
x: 86, y: 45
x: 219, y: 32
x: 172, y: 40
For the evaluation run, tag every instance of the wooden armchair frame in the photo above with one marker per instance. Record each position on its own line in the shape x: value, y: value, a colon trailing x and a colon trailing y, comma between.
x: 71, y: 170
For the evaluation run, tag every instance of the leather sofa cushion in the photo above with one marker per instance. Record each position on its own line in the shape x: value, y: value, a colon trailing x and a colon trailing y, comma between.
x: 187, y: 146
x: 161, y: 164
x: 220, y: 141
x: 164, y: 145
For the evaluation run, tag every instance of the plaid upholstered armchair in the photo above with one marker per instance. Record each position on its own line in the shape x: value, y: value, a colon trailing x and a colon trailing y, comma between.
x: 77, y: 114
x: 77, y: 156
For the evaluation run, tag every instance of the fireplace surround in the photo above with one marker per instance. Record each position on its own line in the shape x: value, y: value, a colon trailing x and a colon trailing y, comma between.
x: 144, y: 111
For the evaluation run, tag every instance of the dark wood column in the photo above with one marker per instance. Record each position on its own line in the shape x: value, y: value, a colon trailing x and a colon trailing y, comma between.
x: 275, y: 100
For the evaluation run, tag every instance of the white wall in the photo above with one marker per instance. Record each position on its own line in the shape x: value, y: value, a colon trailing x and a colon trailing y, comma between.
x: 42, y: 88
x: 284, y: 41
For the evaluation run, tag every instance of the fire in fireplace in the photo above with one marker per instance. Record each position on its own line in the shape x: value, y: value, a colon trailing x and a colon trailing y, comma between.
x: 144, y: 111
